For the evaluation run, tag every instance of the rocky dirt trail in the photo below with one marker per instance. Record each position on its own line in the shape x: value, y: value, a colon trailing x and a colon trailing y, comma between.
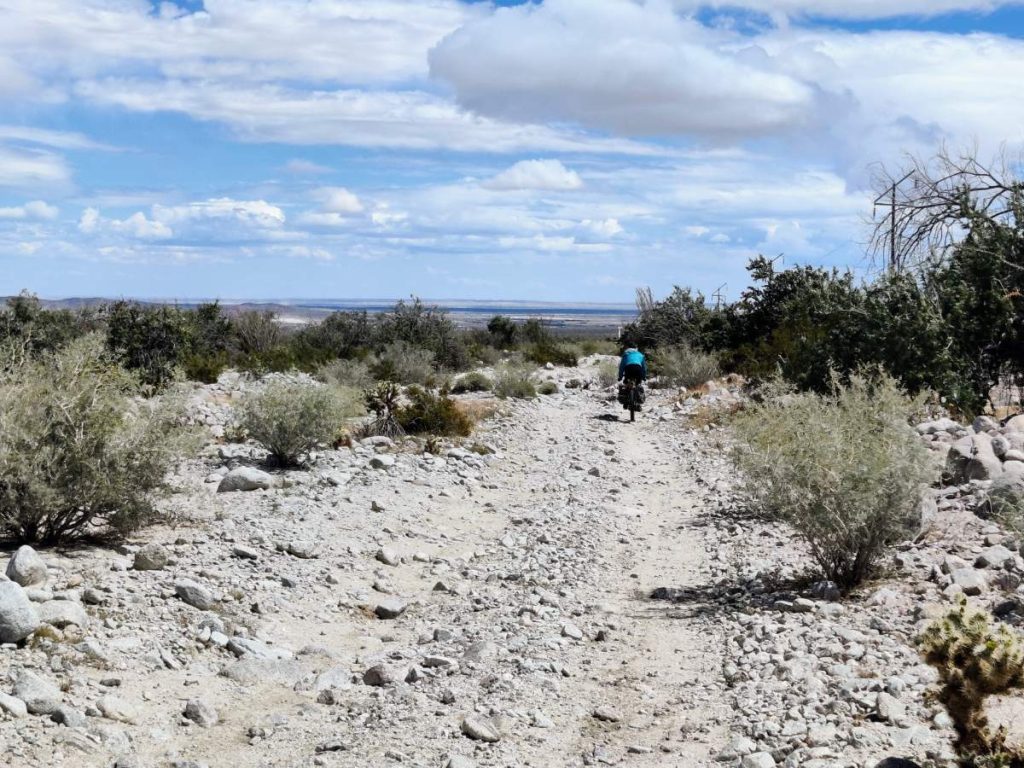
x: 396, y: 608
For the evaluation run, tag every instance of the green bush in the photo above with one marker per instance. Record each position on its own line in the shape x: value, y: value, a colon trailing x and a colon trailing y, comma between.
x: 432, y: 414
x: 684, y: 366
x: 256, y: 333
x: 205, y: 368
x: 152, y: 341
x: 80, y: 453
x: 403, y: 363
x: 516, y: 383
x: 472, y: 382
x: 31, y: 329
x: 547, y: 388
x: 843, y: 469
x: 356, y: 374
x: 545, y: 352
x: 607, y: 373
x: 291, y: 418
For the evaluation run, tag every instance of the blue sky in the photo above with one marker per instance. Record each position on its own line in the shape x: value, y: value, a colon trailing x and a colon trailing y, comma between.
x: 555, y: 150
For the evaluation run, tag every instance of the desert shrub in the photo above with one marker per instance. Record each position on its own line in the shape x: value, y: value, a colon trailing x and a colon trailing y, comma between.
x: 342, y: 334
x: 843, y: 469
x: 30, y: 328
x: 587, y: 347
x: 547, y: 388
x: 356, y: 374
x: 1005, y: 501
x: 383, y: 401
x: 424, y: 327
x: 684, y: 366
x: 256, y: 333
x: 290, y: 418
x: 516, y: 383
x: 503, y: 330
x: 607, y: 373
x: 151, y: 341
x: 433, y: 414
x: 545, y: 352
x: 975, y: 660
x: 472, y: 382
x: 80, y: 454
x: 403, y: 363
x: 204, y: 368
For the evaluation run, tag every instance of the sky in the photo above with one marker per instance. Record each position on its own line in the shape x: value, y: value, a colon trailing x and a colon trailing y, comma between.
x: 556, y: 150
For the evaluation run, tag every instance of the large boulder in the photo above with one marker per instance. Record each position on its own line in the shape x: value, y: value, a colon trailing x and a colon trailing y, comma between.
x: 246, y: 479
x: 973, y: 458
x: 1006, y: 496
x: 1016, y: 424
x: 152, y: 557
x: 61, y: 613
x: 26, y: 567
x: 41, y: 697
x: 18, y: 616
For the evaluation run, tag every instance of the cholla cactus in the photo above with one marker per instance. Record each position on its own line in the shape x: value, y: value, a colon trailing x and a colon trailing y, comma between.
x: 975, y: 660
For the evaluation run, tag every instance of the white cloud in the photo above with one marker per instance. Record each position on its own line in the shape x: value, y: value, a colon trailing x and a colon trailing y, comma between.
x: 339, y: 200
x: 26, y: 168
x: 696, y: 231
x: 633, y: 68
x: 299, y: 167
x: 251, y: 213
x: 392, y: 119
x: 37, y: 210
x: 549, y: 175
x: 342, y: 41
x: 48, y: 138
x: 857, y: 9
x: 136, y: 226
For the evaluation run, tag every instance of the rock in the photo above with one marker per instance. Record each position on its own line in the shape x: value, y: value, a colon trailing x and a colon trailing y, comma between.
x: 244, y: 553
x: 889, y: 709
x: 41, y: 697
x: 607, y: 714
x: 246, y: 479
x: 383, y: 675
x: 201, y: 713
x: 26, y: 567
x: 61, y: 613
x: 758, y: 760
x: 115, y: 708
x: 250, y: 670
x: 972, y: 582
x: 897, y: 762
x: 994, y: 557
x: 68, y: 716
x: 18, y: 616
x: 1016, y: 424
x: 12, y: 705
x: 939, y: 425
x: 572, y: 631
x: 457, y: 761
x: 738, y: 746
x: 973, y: 458
x: 246, y: 646
x: 1006, y: 496
x: 152, y: 557
x: 382, y: 461
x: 480, y: 729
x: 388, y: 556
x: 194, y: 594
x: 304, y: 550
x: 984, y: 424
x: 390, y: 608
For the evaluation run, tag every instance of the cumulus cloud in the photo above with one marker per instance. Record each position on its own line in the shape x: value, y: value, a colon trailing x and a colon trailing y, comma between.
x: 136, y: 226
x: 638, y: 69
x: 36, y: 210
x: 549, y: 175
x: 339, y: 200
x: 300, y: 167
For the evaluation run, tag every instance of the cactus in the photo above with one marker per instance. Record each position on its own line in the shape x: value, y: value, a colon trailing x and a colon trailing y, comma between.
x: 975, y: 660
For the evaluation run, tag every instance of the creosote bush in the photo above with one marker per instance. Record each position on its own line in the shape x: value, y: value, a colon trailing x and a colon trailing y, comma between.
x: 975, y: 660
x: 290, y: 418
x: 843, y: 469
x: 607, y: 373
x: 356, y: 374
x: 433, y: 414
x: 516, y: 383
x: 403, y: 363
x: 81, y: 454
x: 685, y: 366
x: 472, y: 382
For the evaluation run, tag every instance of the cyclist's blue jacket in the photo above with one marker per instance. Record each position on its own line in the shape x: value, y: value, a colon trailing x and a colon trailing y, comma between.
x: 634, y: 357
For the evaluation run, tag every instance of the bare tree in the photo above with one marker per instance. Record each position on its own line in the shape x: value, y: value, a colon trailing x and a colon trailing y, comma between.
x: 936, y: 202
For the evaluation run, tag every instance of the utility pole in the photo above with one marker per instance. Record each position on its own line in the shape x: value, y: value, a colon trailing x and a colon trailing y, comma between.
x: 890, y: 193
x: 718, y: 296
